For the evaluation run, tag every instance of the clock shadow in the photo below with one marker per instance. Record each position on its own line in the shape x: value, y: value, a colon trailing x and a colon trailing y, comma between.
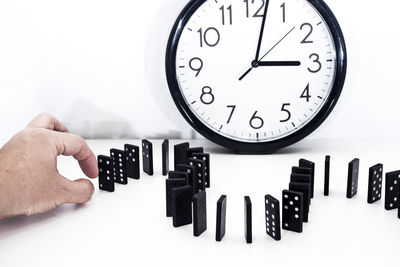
x: 294, y: 149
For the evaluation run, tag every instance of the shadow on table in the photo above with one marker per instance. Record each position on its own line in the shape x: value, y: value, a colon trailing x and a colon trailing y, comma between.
x: 284, y: 151
x: 16, y: 225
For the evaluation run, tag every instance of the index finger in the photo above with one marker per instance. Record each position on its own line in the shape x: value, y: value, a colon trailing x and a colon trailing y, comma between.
x: 49, y: 122
x: 72, y: 145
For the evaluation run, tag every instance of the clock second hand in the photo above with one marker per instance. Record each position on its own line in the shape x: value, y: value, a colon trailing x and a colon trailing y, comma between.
x: 255, y: 63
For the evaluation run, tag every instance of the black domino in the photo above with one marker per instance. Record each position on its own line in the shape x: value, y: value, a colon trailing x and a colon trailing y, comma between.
x: 292, y: 211
x: 169, y: 185
x: 272, y: 217
x: 200, y: 170
x: 248, y: 220
x: 180, y: 154
x: 199, y: 213
x: 301, y: 170
x: 352, y: 178
x: 392, y: 190
x: 118, y: 159
x: 165, y: 157
x: 206, y: 158
x: 106, y: 179
x: 147, y: 152
x: 221, y: 218
x: 302, y: 178
x: 132, y: 161
x: 178, y: 175
x: 398, y: 214
x: 327, y: 175
x: 303, y: 163
x: 182, y: 205
x: 192, y: 176
x: 305, y: 189
x: 193, y: 150
x: 375, y: 181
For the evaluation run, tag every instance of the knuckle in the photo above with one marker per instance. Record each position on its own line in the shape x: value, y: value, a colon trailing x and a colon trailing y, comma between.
x: 35, y: 135
x: 80, y: 141
x: 88, y: 192
x: 45, y: 116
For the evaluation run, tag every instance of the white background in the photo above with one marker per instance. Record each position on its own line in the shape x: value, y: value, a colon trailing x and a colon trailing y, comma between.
x: 99, y: 66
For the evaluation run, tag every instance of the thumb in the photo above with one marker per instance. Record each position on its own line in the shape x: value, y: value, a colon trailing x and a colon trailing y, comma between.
x: 79, y: 191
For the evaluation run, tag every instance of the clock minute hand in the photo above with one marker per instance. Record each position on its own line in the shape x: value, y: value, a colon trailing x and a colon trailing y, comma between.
x: 262, y: 30
x: 278, y: 63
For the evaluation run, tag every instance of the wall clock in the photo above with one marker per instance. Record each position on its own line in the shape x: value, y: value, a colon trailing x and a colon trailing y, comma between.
x: 256, y: 75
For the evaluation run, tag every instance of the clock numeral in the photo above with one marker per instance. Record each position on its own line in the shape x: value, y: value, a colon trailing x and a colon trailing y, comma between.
x: 207, y: 97
x: 259, y: 13
x: 283, y: 6
x: 231, y: 114
x: 305, y: 40
x: 256, y: 122
x: 284, y: 109
x: 229, y: 9
x: 306, y: 93
x: 315, y: 58
x: 196, y: 64
x: 211, y: 33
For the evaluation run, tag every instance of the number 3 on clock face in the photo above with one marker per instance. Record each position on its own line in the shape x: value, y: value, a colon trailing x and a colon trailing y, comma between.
x: 256, y: 75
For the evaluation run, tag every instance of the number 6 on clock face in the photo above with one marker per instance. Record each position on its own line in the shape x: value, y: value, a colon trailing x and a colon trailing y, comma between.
x: 256, y: 75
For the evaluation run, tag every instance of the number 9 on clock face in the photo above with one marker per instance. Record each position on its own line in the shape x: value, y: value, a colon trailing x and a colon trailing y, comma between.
x: 256, y: 75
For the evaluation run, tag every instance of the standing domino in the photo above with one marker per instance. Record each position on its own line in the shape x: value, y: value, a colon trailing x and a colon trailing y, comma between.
x: 147, y: 148
x: 132, y: 161
x: 292, y: 211
x: 169, y: 185
x: 200, y: 170
x: 272, y: 217
x: 375, y: 183
x: 327, y: 175
x: 118, y: 159
x: 165, y: 157
x: 206, y: 158
x: 106, y: 181
x: 352, y: 178
x: 305, y: 190
x: 192, y: 176
x: 180, y: 154
x: 221, y: 218
x: 199, y: 213
x: 392, y: 190
x: 303, y: 163
x: 248, y: 220
x: 181, y: 205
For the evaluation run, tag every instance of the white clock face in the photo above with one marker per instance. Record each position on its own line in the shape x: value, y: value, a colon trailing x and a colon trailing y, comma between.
x: 249, y: 96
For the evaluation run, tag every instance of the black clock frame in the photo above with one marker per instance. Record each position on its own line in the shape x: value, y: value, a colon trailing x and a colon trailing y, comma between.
x: 259, y: 147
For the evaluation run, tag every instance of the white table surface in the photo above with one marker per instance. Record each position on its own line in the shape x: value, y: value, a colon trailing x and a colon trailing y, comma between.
x: 129, y: 227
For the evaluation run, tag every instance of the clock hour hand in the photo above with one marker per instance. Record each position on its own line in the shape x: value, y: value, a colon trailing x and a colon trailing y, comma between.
x: 256, y: 64
x: 276, y: 64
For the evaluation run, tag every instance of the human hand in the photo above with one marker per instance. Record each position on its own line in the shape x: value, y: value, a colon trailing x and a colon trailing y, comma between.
x: 29, y: 180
